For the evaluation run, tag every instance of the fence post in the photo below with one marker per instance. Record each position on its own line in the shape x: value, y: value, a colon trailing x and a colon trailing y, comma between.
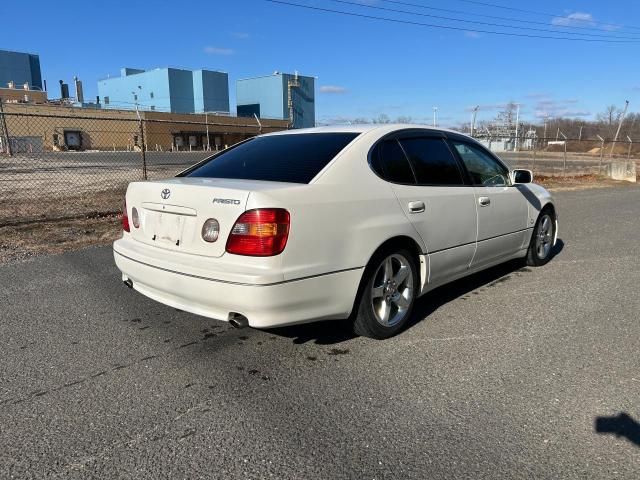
x: 535, y: 148
x: 143, y: 147
x: 601, y: 154
x: 629, y: 153
x: 564, y: 160
x: 5, y: 130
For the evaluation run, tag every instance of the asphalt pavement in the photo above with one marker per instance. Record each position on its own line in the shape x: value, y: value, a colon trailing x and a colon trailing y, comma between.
x: 513, y: 373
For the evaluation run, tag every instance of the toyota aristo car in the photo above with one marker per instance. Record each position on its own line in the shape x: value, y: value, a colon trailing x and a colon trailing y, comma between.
x: 330, y: 223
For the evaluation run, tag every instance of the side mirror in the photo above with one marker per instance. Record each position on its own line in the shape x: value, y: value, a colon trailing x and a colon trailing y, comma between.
x: 521, y: 176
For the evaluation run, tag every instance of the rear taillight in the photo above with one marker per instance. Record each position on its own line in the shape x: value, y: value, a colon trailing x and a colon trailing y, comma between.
x: 125, y: 218
x: 259, y: 233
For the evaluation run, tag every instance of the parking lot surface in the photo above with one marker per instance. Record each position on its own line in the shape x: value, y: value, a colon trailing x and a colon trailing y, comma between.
x: 513, y: 373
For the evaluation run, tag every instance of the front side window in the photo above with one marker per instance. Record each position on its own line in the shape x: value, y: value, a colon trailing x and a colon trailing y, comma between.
x: 483, y: 169
x: 390, y: 163
x: 295, y: 158
x: 432, y: 161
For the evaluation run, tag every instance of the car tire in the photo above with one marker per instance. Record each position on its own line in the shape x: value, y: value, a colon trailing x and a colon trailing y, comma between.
x: 386, y: 295
x: 541, y: 244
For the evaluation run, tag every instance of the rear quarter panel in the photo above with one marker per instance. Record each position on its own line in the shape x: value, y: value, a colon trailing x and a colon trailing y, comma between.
x: 340, y: 218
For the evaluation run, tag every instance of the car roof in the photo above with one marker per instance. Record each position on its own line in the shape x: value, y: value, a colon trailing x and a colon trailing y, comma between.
x: 363, y: 128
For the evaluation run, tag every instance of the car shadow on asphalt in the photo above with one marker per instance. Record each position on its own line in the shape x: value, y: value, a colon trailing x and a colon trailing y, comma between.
x: 332, y: 332
x: 431, y: 301
x: 621, y: 425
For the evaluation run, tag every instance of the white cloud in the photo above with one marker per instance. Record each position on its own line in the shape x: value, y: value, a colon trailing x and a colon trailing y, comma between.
x: 218, y: 51
x: 549, y: 107
x: 563, y: 112
x: 576, y: 19
x: 472, y: 34
x: 538, y: 95
x: 332, y: 89
x: 487, y: 106
x: 241, y: 35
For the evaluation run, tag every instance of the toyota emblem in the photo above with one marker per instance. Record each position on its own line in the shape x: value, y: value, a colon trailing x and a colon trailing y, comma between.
x: 166, y: 193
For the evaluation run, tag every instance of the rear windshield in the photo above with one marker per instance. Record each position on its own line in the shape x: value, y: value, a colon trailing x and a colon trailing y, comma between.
x: 295, y: 158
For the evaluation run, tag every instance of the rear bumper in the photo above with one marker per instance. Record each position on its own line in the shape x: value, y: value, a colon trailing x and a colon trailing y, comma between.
x: 272, y: 304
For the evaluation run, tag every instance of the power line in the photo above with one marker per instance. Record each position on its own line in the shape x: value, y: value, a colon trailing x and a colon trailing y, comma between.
x: 510, y: 19
x: 522, y: 10
x: 448, y: 27
x: 475, y: 22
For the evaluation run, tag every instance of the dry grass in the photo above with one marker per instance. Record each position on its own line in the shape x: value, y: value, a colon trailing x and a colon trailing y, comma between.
x: 37, y: 208
x: 20, y: 242
x: 577, y: 182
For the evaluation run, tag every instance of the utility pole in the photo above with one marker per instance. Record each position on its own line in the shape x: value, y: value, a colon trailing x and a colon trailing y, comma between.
x: 473, y: 119
x: 624, y: 112
x: 517, y: 125
x: 546, y: 119
x: 435, y: 116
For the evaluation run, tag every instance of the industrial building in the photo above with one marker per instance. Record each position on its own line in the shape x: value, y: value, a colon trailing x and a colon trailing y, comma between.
x: 17, y: 68
x: 33, y: 128
x: 280, y: 95
x: 167, y: 90
x: 11, y: 94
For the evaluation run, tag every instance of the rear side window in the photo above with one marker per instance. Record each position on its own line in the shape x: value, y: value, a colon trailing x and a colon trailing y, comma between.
x: 295, y: 158
x: 432, y: 161
x: 390, y: 163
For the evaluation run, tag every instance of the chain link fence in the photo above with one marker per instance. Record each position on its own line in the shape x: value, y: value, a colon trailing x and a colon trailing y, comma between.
x: 569, y: 157
x: 62, y: 166
x: 72, y: 165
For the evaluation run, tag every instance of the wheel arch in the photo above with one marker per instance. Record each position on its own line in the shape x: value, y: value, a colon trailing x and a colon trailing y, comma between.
x: 392, y: 244
x: 549, y: 205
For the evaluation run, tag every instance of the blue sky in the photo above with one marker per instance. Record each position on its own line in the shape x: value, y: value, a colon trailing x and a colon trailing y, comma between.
x: 364, y: 67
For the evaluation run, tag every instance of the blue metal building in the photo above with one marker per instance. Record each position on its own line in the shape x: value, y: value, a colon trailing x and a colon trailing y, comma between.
x: 20, y: 68
x: 166, y: 89
x: 281, y: 95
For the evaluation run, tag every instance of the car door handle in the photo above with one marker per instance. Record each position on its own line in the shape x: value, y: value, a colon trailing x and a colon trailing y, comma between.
x: 416, y: 207
x: 484, y: 201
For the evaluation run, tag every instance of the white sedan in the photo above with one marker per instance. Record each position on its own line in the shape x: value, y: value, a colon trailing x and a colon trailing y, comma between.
x: 330, y: 223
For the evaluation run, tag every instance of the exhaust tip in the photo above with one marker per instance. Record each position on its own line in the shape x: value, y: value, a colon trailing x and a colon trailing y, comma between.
x: 128, y: 282
x: 236, y: 320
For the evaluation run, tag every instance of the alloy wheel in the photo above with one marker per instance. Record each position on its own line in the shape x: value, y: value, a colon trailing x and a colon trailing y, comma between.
x: 392, y: 290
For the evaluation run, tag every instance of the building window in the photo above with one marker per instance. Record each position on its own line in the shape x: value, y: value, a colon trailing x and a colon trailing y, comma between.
x: 106, y: 100
x: 153, y: 107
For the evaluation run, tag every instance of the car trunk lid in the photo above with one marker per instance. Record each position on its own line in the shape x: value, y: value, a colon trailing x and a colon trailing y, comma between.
x: 172, y: 212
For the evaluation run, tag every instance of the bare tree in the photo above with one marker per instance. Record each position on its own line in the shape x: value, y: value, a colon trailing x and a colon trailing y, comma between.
x: 404, y: 119
x: 610, y: 115
x: 360, y: 120
x: 507, y: 115
x: 382, y: 118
